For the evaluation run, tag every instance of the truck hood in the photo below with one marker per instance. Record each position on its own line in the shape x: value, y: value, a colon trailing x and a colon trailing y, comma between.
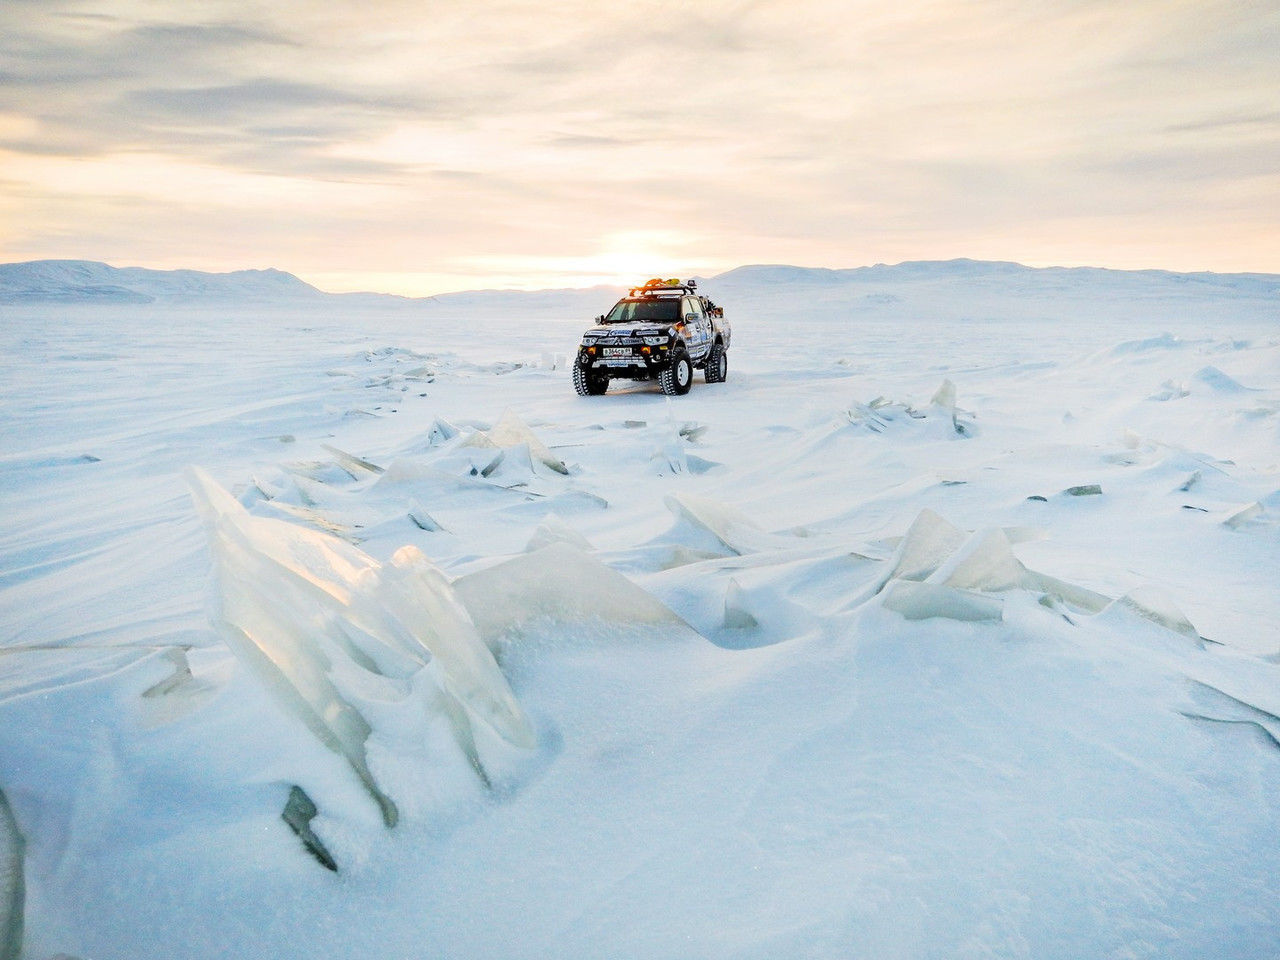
x: 630, y: 330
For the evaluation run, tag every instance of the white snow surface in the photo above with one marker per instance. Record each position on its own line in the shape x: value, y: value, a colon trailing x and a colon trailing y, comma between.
x: 946, y: 627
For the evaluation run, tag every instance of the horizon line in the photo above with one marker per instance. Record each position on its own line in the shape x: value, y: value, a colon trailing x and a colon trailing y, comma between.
x: 617, y: 285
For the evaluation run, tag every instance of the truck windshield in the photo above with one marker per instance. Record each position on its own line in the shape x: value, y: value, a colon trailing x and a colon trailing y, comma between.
x: 644, y: 311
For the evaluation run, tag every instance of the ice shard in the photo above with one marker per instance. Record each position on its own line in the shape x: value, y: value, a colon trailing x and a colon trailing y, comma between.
x: 414, y: 595
x: 926, y: 601
x: 1239, y: 518
x: 511, y: 431
x: 983, y: 562
x: 324, y: 626
x: 736, y: 615
x: 554, y: 530
x: 356, y: 466
x: 928, y: 542
x: 1072, y: 594
x: 1152, y: 604
x: 423, y: 520
x: 718, y: 523
x: 941, y: 554
x: 945, y: 396
x: 1218, y: 381
x: 441, y: 431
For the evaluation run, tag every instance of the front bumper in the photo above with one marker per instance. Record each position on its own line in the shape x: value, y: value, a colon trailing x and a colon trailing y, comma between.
x: 639, y: 362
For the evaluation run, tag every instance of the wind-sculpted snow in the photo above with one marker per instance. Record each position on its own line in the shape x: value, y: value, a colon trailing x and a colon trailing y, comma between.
x: 326, y: 628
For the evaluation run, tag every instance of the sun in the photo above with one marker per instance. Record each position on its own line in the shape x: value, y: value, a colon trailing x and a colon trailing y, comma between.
x: 621, y: 259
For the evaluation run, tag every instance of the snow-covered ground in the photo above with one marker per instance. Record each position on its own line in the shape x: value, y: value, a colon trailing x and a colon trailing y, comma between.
x: 947, y: 627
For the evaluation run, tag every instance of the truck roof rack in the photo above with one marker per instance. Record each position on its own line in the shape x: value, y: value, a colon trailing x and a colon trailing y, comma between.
x: 657, y: 286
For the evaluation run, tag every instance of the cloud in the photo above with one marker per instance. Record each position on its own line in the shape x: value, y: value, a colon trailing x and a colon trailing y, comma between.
x: 770, y: 129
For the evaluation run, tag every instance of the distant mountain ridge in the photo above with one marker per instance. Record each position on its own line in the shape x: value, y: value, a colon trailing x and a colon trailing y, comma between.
x: 86, y: 281
x: 964, y: 268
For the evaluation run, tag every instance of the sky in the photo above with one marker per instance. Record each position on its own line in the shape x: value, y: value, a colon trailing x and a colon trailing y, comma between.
x: 414, y: 148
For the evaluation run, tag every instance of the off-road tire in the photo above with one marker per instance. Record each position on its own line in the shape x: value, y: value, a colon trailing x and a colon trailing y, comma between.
x: 676, y: 377
x: 587, y: 383
x: 717, y: 368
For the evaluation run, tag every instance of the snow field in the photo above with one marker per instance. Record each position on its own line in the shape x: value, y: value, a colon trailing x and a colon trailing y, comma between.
x: 807, y: 673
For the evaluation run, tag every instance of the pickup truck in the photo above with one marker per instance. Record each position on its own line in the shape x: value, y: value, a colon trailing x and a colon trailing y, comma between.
x: 663, y: 330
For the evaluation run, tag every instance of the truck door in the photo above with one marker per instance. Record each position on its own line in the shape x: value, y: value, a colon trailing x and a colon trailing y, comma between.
x: 699, y: 327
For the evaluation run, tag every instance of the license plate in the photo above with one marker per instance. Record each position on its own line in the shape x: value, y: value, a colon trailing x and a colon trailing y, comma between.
x: 617, y: 351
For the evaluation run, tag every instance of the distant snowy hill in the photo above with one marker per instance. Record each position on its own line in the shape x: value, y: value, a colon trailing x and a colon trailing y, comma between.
x: 987, y: 271
x: 973, y: 289
x: 85, y: 281
x: 951, y: 288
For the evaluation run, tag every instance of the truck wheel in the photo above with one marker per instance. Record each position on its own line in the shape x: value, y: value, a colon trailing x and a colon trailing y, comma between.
x: 677, y: 377
x: 717, y: 365
x: 588, y: 383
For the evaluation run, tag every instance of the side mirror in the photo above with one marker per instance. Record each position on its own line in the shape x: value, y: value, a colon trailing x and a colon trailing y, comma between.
x: 600, y: 319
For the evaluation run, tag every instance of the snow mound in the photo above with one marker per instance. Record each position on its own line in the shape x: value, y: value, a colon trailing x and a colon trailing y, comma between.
x: 557, y: 582
x: 327, y: 630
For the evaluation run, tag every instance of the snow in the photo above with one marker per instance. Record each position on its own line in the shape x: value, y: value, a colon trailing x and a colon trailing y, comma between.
x: 945, y: 628
x: 12, y: 892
